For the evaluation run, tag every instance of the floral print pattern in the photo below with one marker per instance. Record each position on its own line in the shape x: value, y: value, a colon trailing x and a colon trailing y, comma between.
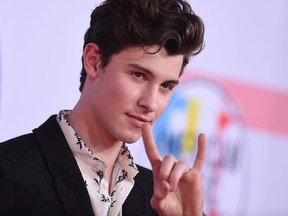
x: 93, y: 172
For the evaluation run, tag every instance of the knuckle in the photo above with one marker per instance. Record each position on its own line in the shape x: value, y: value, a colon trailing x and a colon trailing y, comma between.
x: 182, y: 163
x: 170, y: 158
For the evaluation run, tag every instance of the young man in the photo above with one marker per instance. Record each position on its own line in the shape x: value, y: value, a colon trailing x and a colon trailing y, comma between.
x: 78, y: 162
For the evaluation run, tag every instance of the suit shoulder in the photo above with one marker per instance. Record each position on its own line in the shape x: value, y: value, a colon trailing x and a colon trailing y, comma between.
x: 19, y: 150
x: 17, y: 141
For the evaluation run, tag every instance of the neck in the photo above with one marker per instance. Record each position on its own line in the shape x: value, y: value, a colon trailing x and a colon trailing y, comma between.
x: 103, y: 147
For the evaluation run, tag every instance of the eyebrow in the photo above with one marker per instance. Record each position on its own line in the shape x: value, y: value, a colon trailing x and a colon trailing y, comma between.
x: 147, y: 71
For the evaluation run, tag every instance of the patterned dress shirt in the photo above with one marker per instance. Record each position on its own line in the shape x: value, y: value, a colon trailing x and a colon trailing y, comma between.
x: 104, y: 202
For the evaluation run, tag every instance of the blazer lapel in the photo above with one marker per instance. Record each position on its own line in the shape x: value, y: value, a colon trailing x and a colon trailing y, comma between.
x: 68, y: 180
x: 138, y: 201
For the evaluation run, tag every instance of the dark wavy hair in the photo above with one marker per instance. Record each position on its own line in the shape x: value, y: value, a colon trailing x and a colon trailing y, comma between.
x: 117, y: 24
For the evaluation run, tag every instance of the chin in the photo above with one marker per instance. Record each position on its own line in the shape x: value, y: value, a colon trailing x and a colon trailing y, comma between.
x: 131, y: 142
x: 130, y: 139
x: 129, y: 134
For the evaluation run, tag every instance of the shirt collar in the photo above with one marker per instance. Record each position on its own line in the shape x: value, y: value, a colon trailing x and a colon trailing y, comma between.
x: 81, y: 151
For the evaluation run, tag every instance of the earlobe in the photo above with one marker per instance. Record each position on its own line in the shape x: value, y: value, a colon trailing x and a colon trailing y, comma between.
x: 91, y: 59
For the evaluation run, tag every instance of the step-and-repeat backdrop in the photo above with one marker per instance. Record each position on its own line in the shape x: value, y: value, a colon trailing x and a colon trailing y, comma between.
x: 235, y: 91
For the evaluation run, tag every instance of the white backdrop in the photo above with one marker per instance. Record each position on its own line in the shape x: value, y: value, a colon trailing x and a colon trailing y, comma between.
x: 246, y: 48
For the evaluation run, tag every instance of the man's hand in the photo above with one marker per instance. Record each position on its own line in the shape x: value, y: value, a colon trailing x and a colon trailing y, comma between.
x: 178, y: 190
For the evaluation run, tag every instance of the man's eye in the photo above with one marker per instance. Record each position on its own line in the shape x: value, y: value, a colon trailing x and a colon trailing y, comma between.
x: 167, y: 86
x: 138, y: 74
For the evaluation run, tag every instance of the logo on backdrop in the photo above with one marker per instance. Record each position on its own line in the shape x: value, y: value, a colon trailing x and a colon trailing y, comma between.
x: 201, y: 105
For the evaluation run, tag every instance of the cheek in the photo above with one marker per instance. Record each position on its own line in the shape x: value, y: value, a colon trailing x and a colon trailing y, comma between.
x: 122, y: 94
x: 130, y: 91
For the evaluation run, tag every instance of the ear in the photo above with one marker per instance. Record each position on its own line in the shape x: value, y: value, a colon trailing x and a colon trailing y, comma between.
x: 92, y: 59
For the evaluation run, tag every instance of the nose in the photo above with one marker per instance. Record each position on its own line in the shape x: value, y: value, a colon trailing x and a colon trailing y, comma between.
x: 149, y: 100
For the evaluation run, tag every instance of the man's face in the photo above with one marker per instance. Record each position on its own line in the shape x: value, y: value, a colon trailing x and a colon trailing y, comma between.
x: 133, y: 89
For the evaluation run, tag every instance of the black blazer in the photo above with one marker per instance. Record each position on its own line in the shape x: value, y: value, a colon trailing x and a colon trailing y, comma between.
x: 39, y: 176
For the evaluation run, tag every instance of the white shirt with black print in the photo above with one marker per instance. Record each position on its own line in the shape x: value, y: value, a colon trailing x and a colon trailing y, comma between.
x: 93, y: 169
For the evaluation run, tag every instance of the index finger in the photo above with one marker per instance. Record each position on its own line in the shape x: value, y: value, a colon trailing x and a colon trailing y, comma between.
x: 200, y: 156
x: 150, y: 146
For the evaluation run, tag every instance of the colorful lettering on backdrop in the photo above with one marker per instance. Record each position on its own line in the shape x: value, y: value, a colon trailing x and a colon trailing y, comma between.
x: 203, y: 105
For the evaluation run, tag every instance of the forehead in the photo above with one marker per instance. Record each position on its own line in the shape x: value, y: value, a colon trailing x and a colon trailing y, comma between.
x: 153, y: 58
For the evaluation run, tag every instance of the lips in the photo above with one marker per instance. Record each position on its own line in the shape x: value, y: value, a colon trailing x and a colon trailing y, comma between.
x: 137, y: 120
